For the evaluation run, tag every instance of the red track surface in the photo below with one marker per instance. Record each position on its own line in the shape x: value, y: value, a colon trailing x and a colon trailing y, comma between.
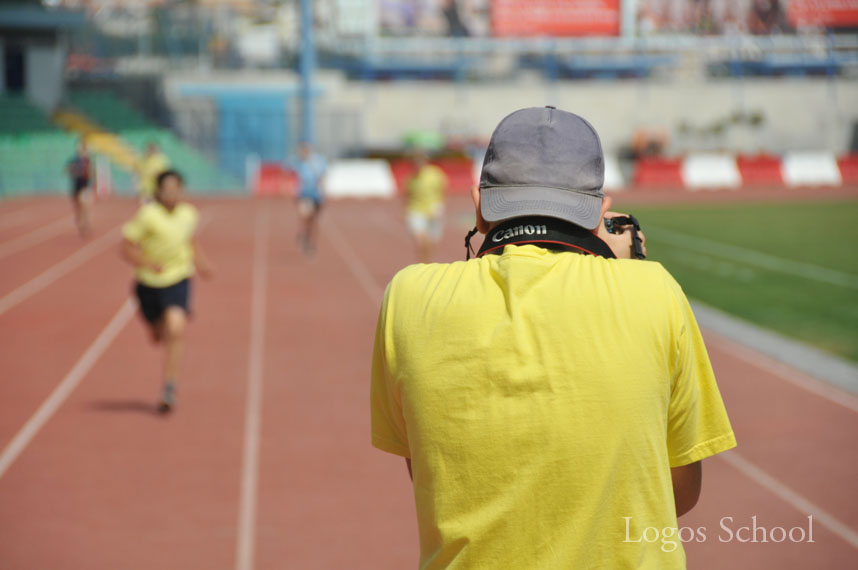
x: 106, y: 483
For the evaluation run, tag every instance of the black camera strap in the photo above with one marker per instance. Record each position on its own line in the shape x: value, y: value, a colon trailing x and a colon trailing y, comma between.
x: 549, y: 233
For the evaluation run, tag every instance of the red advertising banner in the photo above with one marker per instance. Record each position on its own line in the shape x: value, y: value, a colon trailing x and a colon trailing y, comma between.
x: 827, y: 13
x: 529, y: 18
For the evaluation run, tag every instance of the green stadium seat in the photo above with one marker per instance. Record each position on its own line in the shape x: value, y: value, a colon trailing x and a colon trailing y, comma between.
x: 18, y: 115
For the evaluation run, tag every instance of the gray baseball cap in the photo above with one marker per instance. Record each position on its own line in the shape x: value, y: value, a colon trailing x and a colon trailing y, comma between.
x: 546, y: 162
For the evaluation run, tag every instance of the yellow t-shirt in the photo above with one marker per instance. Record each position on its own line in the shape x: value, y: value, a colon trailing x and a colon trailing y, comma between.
x: 542, y: 398
x: 150, y: 167
x: 426, y: 190
x: 165, y: 238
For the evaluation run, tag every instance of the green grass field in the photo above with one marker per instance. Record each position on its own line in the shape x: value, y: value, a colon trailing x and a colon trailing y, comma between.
x: 790, y: 267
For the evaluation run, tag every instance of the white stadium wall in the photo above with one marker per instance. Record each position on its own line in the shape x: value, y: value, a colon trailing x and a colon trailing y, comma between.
x: 797, y: 114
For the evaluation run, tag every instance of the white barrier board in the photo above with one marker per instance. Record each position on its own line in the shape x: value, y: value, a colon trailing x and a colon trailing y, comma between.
x: 702, y: 171
x: 810, y: 169
x: 359, y: 178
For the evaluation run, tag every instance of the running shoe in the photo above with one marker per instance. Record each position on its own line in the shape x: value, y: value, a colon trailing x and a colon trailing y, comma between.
x: 168, y: 397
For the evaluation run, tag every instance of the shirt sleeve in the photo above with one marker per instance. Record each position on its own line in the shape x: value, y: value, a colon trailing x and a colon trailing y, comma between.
x: 387, y: 420
x: 135, y: 229
x: 698, y: 426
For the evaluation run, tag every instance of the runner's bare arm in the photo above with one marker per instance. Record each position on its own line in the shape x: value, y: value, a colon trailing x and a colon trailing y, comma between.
x: 201, y: 260
x: 133, y: 254
x: 687, y: 482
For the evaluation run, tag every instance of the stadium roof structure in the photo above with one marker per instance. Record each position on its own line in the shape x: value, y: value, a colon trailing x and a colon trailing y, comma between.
x: 24, y: 18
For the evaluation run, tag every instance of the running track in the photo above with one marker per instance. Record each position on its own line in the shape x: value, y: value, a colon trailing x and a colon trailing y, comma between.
x: 266, y: 462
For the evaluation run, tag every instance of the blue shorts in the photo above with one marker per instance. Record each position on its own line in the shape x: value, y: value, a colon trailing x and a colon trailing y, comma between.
x: 155, y: 300
x: 309, y: 204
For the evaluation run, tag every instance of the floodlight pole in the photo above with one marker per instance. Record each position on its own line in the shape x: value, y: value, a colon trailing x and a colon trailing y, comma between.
x: 307, y: 65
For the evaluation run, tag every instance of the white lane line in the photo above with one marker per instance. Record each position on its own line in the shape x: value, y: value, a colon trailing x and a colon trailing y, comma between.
x: 790, y: 375
x: 253, y: 410
x: 66, y: 386
x: 764, y: 260
x: 786, y: 494
x: 35, y: 237
x: 58, y: 270
x: 358, y: 268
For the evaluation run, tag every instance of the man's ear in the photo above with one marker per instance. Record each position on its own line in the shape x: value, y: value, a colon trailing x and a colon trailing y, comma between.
x: 606, y: 206
x: 482, y: 225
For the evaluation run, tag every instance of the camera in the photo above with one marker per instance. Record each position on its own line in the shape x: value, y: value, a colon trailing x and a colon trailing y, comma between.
x: 618, y: 225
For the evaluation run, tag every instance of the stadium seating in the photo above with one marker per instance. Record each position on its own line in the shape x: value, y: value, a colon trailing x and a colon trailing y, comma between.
x: 200, y: 173
x: 611, y: 66
x: 785, y: 64
x: 33, y: 152
x: 369, y: 68
x: 34, y: 162
x: 109, y: 111
x: 18, y: 116
x: 117, y: 116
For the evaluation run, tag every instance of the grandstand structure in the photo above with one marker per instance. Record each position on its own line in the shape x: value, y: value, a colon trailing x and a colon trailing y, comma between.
x: 41, y: 119
x: 225, y: 96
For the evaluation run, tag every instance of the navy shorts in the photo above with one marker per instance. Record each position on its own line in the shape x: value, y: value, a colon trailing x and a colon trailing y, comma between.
x: 78, y: 186
x: 155, y: 300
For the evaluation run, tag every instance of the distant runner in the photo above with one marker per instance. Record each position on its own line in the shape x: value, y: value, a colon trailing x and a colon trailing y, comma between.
x: 425, y: 209
x: 310, y: 168
x: 154, y: 163
x: 79, y: 169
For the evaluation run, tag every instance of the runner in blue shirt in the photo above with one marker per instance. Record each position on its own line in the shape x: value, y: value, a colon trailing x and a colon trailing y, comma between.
x: 310, y: 168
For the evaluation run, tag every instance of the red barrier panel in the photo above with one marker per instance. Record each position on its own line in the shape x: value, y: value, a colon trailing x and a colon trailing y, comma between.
x: 460, y: 174
x: 275, y: 180
x: 848, y: 168
x: 658, y: 172
x: 760, y: 170
x: 402, y: 170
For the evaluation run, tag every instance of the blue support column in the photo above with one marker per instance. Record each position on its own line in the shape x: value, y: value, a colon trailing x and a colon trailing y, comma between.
x: 307, y: 67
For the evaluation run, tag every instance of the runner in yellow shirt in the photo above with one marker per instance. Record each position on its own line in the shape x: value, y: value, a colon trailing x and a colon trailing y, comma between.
x: 425, y: 208
x: 160, y: 244
x: 154, y: 163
